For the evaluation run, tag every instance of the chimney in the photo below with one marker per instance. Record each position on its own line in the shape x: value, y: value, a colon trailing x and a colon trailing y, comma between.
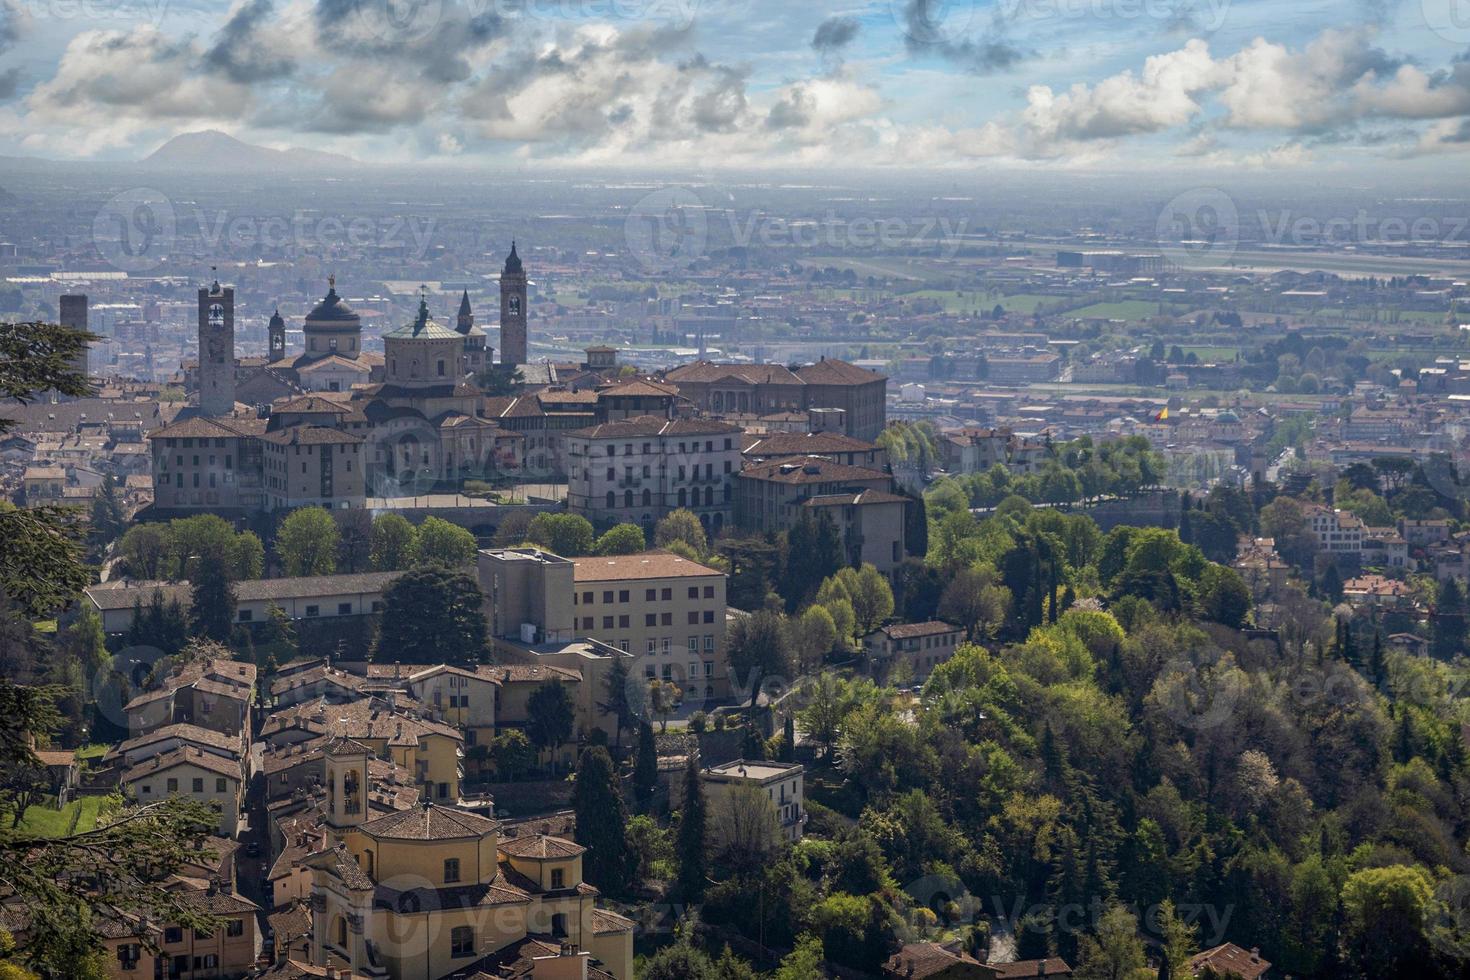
x: 1041, y: 967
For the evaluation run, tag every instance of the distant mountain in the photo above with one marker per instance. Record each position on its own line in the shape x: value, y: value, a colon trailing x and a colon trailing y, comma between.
x: 213, y: 150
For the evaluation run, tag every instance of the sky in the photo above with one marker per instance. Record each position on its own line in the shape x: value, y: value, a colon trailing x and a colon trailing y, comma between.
x: 1175, y: 85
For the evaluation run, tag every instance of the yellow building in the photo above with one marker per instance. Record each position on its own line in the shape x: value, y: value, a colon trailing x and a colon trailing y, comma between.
x: 423, y: 893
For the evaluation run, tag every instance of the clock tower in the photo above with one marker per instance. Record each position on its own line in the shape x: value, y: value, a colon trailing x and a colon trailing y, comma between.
x: 216, y: 350
x: 513, y: 310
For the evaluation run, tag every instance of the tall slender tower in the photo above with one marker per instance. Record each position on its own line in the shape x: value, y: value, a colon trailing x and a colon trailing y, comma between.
x: 216, y: 350
x: 513, y: 310
x: 275, y: 339
x: 74, y: 315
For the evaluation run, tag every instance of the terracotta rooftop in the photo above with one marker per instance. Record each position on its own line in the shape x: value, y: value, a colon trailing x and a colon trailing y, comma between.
x: 648, y: 565
x: 429, y: 822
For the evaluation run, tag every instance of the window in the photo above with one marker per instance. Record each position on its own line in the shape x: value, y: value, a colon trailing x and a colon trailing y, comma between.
x: 650, y: 619
x: 246, y: 615
x: 694, y: 592
x: 462, y: 941
x: 607, y: 622
x: 622, y: 622
x: 667, y: 594
x: 587, y: 598
x: 313, y: 610
x: 173, y: 934
x: 709, y: 615
x: 558, y: 878
x: 650, y: 594
x: 198, y: 784
x: 667, y: 619
x: 693, y: 617
x: 648, y: 670
x: 220, y: 784
x: 623, y: 595
x: 693, y: 643
x: 693, y: 669
x: 586, y: 622
x: 607, y: 596
x: 668, y: 672
x: 709, y: 642
x: 344, y: 609
x: 235, y: 927
x: 709, y: 591
x: 652, y: 646
x: 451, y: 869
x: 173, y: 785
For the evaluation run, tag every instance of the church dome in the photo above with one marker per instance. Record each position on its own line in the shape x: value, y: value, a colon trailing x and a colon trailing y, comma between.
x: 423, y: 327
x: 332, y: 307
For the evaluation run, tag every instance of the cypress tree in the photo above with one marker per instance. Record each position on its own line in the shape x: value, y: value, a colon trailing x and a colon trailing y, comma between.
x: 645, y: 769
x: 690, y: 842
x: 602, y: 822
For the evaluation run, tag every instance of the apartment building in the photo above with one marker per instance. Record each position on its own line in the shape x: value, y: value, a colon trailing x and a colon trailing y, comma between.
x: 666, y: 611
x: 208, y: 464
x: 1338, y: 532
x: 919, y: 647
x: 637, y: 470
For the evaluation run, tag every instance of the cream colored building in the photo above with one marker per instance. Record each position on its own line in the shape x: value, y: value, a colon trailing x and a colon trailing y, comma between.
x: 780, y: 782
x: 666, y: 611
x: 423, y: 893
x: 194, y: 774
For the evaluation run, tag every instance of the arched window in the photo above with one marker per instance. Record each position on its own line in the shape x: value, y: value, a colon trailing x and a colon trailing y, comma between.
x: 647, y: 497
x: 683, y: 497
x: 709, y: 496
x: 612, y: 499
x: 627, y: 498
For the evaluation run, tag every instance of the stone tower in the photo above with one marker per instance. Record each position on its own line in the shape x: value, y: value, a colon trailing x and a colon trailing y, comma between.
x: 276, y: 339
x: 346, y: 762
x: 216, y: 350
x: 466, y: 318
x: 513, y: 310
x: 74, y: 315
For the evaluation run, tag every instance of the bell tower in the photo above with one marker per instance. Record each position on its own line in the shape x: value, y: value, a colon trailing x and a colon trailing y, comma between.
x: 216, y: 350
x: 276, y: 339
x: 513, y: 310
x: 346, y: 763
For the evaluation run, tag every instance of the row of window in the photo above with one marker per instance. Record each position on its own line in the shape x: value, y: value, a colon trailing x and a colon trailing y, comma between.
x: 691, y: 447
x: 665, y: 594
x: 695, y: 617
x: 667, y: 671
x: 221, y: 785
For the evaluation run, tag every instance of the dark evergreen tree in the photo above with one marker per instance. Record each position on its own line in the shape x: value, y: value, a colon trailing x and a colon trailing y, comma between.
x: 212, y: 598
x: 788, y: 744
x: 645, y: 769
x: 690, y: 843
x: 616, y: 702
x: 433, y: 615
x: 602, y: 822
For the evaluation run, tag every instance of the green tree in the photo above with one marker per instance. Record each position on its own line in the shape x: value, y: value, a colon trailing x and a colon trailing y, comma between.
x: 1383, y: 921
x: 108, y: 519
x: 681, y: 525
x: 212, y: 598
x: 306, y: 542
x: 147, y: 551
x: 568, y: 535
x: 663, y: 700
x: 602, y: 822
x: 645, y: 769
x: 615, y: 700
x: 41, y: 551
x: 512, y: 754
x: 814, y: 552
x: 815, y: 633
x: 621, y: 539
x: 977, y: 601
x: 551, y: 717
x: 1224, y: 596
x: 443, y: 543
x: 433, y: 615
x: 802, y: 963
x: 758, y: 647
x: 1113, y: 951
x: 691, y: 844
x: 871, y: 596
x: 394, y: 544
